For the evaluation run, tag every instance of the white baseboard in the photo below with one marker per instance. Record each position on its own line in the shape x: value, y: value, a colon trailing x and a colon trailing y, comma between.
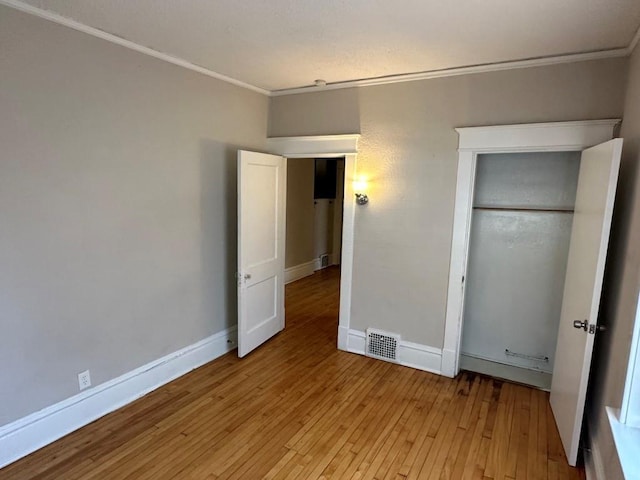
x: 28, y: 434
x: 297, y: 272
x: 593, y: 466
x: 449, y: 361
x: 414, y: 355
x: 343, y: 338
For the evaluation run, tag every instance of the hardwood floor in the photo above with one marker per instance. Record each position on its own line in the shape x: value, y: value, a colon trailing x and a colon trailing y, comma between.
x: 297, y: 408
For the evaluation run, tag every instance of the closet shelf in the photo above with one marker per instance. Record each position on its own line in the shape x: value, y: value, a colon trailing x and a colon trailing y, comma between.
x: 525, y: 209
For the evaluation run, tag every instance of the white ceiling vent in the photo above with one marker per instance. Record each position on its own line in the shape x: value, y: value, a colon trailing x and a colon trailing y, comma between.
x: 382, y: 345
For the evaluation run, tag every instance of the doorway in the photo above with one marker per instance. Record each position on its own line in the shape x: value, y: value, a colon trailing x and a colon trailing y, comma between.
x: 314, y: 213
x: 262, y: 180
x: 595, y: 193
x: 518, y: 249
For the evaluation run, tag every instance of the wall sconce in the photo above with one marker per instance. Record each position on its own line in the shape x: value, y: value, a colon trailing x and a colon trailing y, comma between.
x: 362, y: 199
x: 359, y: 187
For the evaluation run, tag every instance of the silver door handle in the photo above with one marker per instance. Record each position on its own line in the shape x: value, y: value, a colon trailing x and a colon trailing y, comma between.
x: 583, y: 324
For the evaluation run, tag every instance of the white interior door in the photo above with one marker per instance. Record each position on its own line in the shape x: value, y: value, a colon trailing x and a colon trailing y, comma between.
x: 262, y: 197
x: 583, y: 285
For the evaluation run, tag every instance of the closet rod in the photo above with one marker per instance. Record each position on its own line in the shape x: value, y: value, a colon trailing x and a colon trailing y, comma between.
x: 516, y: 209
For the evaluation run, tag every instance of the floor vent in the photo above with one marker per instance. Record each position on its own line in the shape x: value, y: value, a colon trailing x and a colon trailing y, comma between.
x: 324, y: 261
x: 382, y: 345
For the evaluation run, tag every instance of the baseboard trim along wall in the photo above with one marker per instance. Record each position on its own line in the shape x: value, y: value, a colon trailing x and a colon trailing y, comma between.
x: 593, y: 466
x: 297, y: 272
x: 34, y: 431
x: 414, y: 355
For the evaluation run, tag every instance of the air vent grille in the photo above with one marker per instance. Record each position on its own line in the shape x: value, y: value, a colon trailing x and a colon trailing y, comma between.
x: 382, y: 345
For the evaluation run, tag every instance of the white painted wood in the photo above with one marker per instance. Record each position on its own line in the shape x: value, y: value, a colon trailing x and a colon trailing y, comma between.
x: 123, y: 42
x: 536, y: 137
x: 346, y: 263
x: 630, y: 409
x: 627, y: 440
x: 593, y: 463
x: 292, y: 274
x: 30, y: 433
x: 262, y: 183
x: 331, y: 146
x: 583, y: 285
x: 317, y: 146
x: 414, y: 355
x: 458, y: 265
x: 498, y: 139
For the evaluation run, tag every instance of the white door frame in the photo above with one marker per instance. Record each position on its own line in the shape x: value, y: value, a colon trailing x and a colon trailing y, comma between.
x: 532, y: 137
x: 332, y: 146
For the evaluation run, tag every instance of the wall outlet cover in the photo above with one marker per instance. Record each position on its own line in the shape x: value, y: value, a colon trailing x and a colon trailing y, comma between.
x: 84, y: 380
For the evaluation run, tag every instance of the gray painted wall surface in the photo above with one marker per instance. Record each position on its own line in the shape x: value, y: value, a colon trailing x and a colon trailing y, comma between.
x: 408, y: 149
x: 117, y: 202
x: 622, y: 283
x: 300, y: 212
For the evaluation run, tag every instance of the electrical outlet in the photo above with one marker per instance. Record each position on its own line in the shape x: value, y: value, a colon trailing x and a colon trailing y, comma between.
x: 84, y: 379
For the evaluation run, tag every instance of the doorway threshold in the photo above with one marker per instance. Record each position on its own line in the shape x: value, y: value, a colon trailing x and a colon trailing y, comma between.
x: 533, y: 378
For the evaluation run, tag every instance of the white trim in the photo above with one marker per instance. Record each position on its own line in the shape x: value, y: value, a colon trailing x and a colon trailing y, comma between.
x: 331, y: 146
x: 457, y: 71
x: 630, y: 409
x: 28, y: 434
x: 555, y: 136
x: 414, y: 355
x: 318, y: 146
x: 627, y: 441
x: 297, y: 272
x: 593, y: 465
x: 95, y: 32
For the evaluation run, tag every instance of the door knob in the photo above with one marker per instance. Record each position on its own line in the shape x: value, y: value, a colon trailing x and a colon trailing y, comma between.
x: 247, y: 276
x: 583, y: 324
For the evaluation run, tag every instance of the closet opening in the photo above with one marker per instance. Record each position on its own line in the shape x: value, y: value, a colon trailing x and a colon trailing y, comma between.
x: 519, y: 239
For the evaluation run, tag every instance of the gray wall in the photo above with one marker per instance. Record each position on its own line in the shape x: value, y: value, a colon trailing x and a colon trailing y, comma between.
x: 300, y: 212
x: 117, y: 200
x: 408, y: 150
x: 622, y: 282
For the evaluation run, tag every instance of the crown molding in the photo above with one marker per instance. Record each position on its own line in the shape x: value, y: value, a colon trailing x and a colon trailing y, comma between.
x: 95, y: 32
x: 405, y: 77
x: 453, y: 72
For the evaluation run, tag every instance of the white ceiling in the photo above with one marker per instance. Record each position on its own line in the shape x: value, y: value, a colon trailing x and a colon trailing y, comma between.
x: 282, y: 44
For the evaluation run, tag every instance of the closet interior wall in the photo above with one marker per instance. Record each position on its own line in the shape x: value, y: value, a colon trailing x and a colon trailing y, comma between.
x: 519, y: 243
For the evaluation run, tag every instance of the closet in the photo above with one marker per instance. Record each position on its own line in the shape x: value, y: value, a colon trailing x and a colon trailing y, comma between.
x: 518, y: 248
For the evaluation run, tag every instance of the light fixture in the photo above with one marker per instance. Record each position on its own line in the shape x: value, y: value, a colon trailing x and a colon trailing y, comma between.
x: 360, y: 187
x: 362, y: 199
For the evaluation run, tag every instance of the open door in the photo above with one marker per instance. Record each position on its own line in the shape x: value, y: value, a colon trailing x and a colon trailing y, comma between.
x: 583, y: 285
x: 262, y: 197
